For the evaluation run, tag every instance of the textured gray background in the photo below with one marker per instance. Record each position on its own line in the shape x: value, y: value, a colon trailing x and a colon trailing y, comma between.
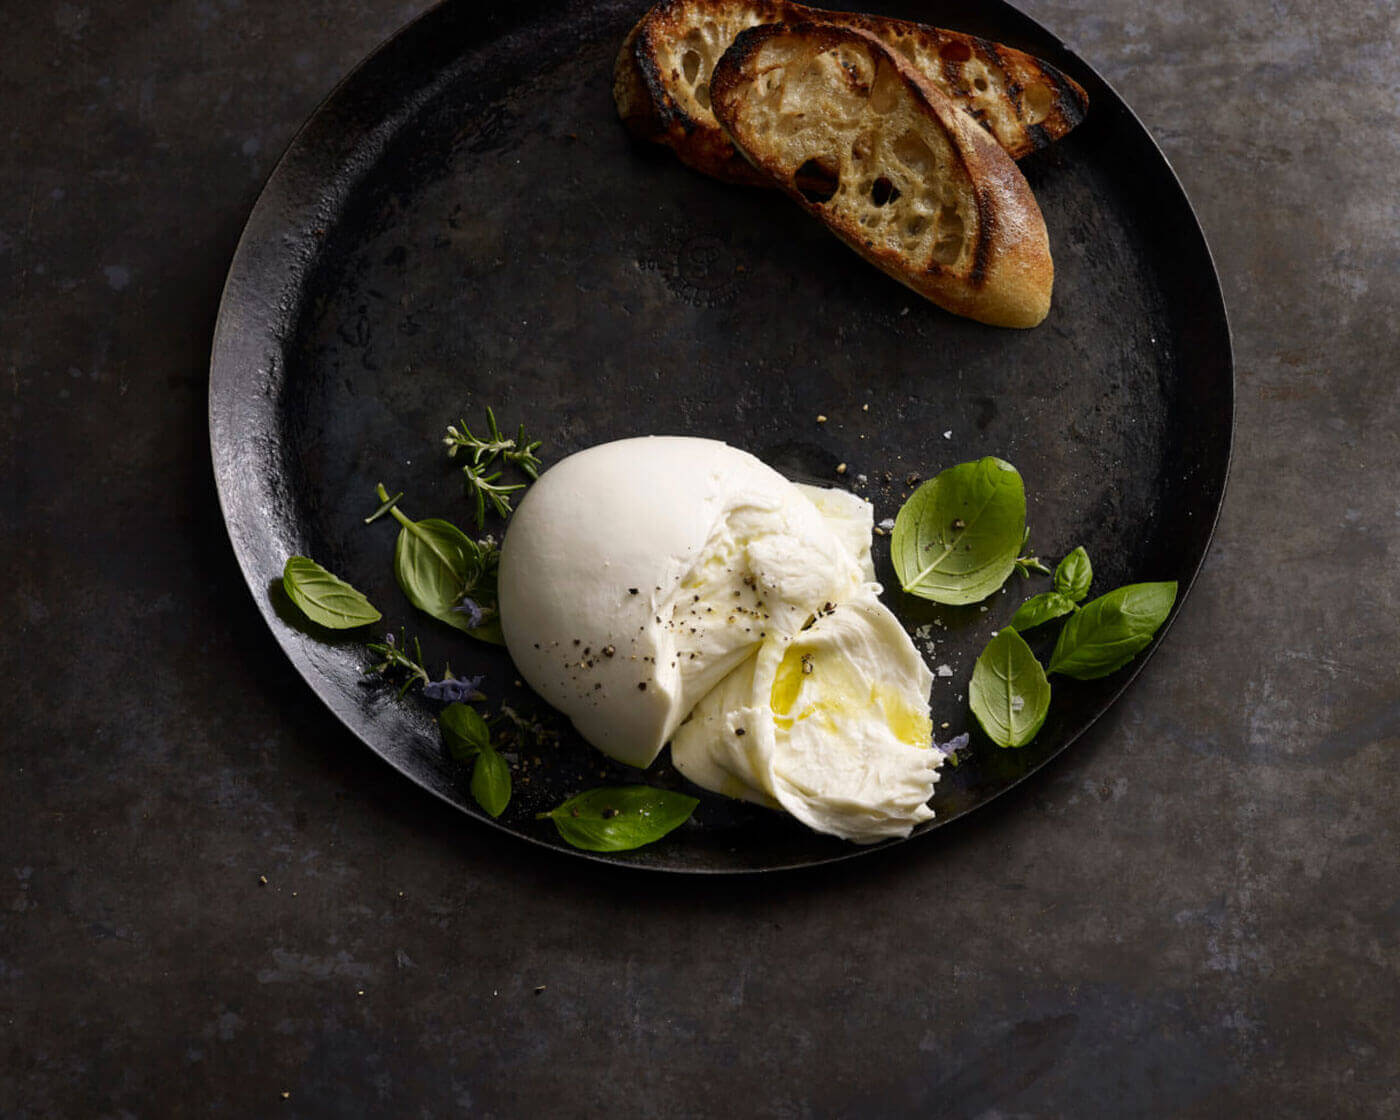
x: 1194, y: 913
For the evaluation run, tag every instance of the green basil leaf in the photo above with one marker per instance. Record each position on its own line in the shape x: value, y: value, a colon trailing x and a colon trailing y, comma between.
x: 957, y: 537
x: 1074, y: 574
x: 324, y: 598
x: 620, y: 818
x: 1106, y: 634
x: 1009, y: 693
x: 463, y: 730
x: 436, y: 564
x: 1041, y: 608
x: 491, y: 781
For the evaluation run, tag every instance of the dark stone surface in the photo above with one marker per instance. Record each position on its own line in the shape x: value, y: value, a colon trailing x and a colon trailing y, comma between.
x: 1194, y: 912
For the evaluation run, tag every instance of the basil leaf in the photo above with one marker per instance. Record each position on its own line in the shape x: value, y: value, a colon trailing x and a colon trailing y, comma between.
x: 436, y: 565
x: 491, y: 781
x: 620, y: 818
x: 1107, y: 633
x: 1041, y: 608
x: 1009, y: 693
x: 434, y: 562
x: 464, y: 731
x: 324, y: 598
x: 1074, y: 574
x: 957, y: 537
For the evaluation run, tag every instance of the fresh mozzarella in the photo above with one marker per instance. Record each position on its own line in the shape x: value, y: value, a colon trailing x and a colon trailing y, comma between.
x: 637, y: 574
x: 830, y: 724
x: 850, y: 517
x: 675, y: 589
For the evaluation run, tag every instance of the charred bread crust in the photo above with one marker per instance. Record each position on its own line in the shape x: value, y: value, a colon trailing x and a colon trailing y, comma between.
x: 1004, y: 276
x: 646, y: 87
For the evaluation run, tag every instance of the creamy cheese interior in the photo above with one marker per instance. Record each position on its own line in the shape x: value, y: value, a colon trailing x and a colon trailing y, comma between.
x: 830, y: 724
x: 648, y: 579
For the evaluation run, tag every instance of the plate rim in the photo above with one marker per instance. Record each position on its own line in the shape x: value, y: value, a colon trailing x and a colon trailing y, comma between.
x: 220, y: 388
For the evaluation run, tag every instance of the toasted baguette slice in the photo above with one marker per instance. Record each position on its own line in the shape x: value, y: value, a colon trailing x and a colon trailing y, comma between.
x: 909, y: 180
x: 662, y: 74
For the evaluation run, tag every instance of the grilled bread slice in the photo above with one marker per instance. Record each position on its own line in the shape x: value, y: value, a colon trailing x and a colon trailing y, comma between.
x: 662, y: 77
x: 890, y: 165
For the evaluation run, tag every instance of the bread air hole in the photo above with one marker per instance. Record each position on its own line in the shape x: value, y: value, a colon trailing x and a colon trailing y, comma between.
x: 817, y: 180
x: 911, y: 151
x: 951, y: 231
x: 955, y: 51
x: 980, y: 83
x: 702, y: 95
x: 690, y: 66
x: 771, y: 82
x: 885, y: 92
x: 1037, y: 102
x: 882, y: 191
x: 861, y: 149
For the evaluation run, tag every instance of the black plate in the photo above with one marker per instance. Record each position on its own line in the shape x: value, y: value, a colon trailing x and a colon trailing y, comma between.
x: 464, y: 223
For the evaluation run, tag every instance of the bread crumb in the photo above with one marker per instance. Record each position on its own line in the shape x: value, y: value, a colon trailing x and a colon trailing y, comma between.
x: 820, y: 418
x: 840, y: 468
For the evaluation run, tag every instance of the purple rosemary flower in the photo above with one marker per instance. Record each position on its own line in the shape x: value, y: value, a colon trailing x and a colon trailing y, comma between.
x: 472, y: 609
x: 953, y: 749
x: 453, y: 690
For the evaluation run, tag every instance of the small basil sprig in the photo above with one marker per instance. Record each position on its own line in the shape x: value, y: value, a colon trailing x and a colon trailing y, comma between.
x: 468, y: 739
x: 1106, y: 634
x: 1009, y: 693
x: 491, y: 781
x: 463, y: 730
x: 620, y: 818
x: 1074, y: 574
x: 959, y: 536
x: 1099, y: 638
x: 444, y: 572
x: 324, y: 598
x: 1041, y: 608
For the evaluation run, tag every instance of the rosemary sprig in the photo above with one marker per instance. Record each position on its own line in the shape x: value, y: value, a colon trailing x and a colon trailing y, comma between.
x: 485, y: 452
x: 485, y: 489
x: 520, y: 451
x: 523, y: 455
x: 397, y: 659
x: 486, y: 449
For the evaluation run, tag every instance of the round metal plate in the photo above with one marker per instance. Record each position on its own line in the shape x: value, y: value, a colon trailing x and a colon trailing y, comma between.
x: 464, y: 223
